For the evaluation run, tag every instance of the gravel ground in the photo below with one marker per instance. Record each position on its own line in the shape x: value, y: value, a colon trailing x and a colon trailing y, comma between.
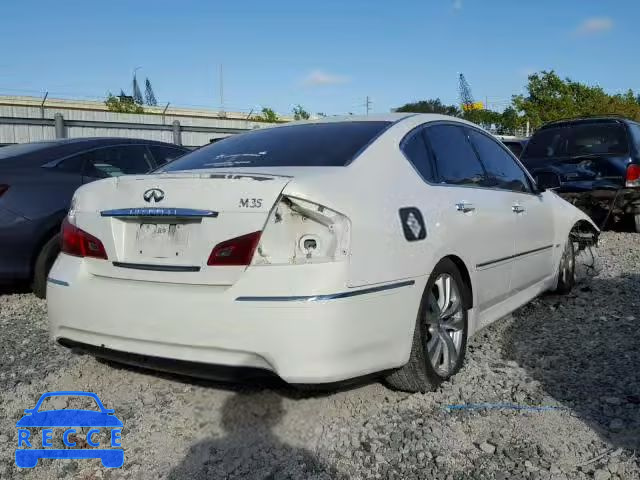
x: 577, y: 355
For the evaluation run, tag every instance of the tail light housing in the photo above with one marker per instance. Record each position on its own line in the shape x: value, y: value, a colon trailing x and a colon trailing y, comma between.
x: 237, y: 251
x: 299, y: 231
x: 633, y: 175
x: 3, y: 188
x: 79, y: 243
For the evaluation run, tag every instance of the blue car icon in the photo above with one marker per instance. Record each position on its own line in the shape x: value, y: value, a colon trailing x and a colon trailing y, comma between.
x: 28, y: 457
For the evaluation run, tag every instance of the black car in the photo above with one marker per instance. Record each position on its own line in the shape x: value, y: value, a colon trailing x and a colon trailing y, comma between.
x: 592, y: 162
x: 515, y: 144
x: 37, y: 182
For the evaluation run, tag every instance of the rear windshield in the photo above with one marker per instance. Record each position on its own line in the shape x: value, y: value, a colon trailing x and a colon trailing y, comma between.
x: 305, y: 145
x: 578, y: 140
x: 11, y: 151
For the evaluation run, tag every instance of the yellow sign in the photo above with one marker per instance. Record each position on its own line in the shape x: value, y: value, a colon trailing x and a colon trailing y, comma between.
x: 473, y: 106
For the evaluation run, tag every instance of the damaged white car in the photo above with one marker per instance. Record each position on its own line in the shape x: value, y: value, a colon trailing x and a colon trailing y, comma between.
x: 320, y: 251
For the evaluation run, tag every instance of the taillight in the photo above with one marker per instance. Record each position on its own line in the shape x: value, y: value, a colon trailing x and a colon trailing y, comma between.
x: 79, y: 243
x: 633, y: 175
x: 3, y: 188
x: 237, y: 251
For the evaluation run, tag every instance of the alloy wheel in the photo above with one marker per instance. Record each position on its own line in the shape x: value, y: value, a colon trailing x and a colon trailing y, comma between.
x: 444, y: 319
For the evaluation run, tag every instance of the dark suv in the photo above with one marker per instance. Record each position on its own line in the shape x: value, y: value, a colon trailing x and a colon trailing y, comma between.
x: 37, y: 182
x: 592, y: 162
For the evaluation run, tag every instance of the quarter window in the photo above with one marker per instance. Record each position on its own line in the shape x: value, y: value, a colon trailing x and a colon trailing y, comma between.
x: 456, y: 162
x: 71, y: 164
x: 116, y: 161
x: 502, y: 170
x: 165, y: 154
x: 416, y: 152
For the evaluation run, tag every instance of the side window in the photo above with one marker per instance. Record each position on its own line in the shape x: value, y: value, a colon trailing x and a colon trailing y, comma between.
x: 455, y: 161
x: 635, y: 131
x: 164, y: 154
x: 71, y: 164
x: 503, y: 172
x: 116, y: 161
x: 416, y: 152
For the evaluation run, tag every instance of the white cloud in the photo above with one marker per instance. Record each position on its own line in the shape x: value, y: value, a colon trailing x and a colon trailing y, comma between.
x: 457, y: 5
x: 593, y: 26
x: 319, y: 78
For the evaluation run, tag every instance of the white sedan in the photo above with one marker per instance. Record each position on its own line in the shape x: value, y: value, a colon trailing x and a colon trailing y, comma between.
x: 320, y: 251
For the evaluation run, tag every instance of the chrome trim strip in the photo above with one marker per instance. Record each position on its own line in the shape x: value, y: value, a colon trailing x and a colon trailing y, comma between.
x: 157, y: 268
x: 55, y: 281
x: 511, y: 257
x: 331, y: 296
x: 158, y: 212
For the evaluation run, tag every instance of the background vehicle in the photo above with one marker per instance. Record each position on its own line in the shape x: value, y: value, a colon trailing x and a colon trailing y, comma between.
x: 515, y: 144
x: 592, y: 162
x: 320, y: 250
x: 37, y: 181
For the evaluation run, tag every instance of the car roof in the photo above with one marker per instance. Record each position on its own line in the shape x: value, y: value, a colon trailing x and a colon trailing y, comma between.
x: 52, y: 149
x: 102, y: 141
x: 586, y: 120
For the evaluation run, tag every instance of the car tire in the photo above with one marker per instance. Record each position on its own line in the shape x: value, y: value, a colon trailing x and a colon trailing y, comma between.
x: 43, y: 264
x: 427, y: 368
x: 636, y: 221
x: 567, y: 269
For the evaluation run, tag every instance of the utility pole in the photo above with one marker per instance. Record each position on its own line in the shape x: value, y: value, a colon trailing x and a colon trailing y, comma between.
x: 367, y: 105
x: 221, y: 92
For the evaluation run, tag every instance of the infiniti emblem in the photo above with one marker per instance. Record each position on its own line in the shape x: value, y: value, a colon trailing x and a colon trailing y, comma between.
x: 153, y: 194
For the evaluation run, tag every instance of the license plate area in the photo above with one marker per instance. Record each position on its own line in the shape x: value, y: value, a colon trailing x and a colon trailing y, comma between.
x: 161, y: 239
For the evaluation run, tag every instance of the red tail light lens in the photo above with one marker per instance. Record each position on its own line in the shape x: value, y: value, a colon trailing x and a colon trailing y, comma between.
x: 633, y: 175
x: 237, y: 251
x: 3, y: 188
x: 79, y: 243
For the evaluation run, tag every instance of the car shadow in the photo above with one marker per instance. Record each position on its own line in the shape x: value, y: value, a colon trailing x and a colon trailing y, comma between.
x: 14, y: 288
x: 585, y: 351
x: 248, y: 447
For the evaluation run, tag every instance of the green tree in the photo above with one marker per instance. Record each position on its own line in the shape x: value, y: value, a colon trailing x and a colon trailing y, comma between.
x: 510, y: 121
x: 552, y: 98
x: 268, y: 115
x: 483, y: 117
x: 149, y: 95
x: 122, y: 104
x: 299, y: 113
x: 430, y: 106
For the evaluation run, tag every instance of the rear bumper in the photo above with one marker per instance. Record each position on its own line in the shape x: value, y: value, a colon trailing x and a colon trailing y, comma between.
x: 283, y: 319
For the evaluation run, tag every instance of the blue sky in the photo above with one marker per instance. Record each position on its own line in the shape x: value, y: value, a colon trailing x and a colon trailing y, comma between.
x: 326, y: 55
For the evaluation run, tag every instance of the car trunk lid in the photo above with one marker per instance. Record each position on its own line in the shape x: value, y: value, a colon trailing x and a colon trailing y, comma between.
x: 163, y: 227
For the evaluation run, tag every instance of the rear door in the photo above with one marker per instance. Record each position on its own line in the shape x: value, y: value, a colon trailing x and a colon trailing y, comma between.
x: 477, y: 220
x: 534, y: 225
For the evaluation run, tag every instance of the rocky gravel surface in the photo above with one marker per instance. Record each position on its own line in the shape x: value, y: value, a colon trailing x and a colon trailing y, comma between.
x: 552, y: 393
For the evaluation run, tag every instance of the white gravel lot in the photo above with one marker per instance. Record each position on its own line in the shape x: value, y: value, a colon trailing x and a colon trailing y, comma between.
x: 579, y: 354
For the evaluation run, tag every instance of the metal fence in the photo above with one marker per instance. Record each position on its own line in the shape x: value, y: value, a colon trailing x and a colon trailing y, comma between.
x: 22, y: 121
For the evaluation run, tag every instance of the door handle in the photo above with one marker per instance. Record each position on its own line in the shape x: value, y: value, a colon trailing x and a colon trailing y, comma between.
x: 517, y: 208
x: 465, y: 207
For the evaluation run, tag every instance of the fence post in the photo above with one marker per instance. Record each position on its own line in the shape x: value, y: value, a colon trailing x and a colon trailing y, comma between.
x: 58, y: 121
x: 177, y: 134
